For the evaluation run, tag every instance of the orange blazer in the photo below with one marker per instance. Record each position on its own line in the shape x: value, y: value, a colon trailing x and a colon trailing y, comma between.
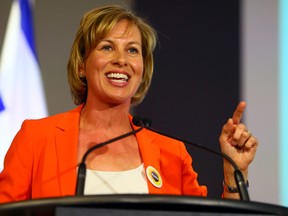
x: 42, y: 161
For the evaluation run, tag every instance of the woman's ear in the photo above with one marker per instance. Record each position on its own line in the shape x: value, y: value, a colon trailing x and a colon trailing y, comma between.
x: 81, y: 72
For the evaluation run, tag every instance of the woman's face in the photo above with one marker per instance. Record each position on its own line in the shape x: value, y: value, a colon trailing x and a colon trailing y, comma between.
x: 114, y: 68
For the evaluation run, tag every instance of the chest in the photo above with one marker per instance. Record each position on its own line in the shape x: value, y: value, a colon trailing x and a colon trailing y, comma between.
x: 116, y: 156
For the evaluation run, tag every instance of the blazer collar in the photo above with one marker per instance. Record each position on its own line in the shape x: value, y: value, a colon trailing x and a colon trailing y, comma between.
x: 70, y: 118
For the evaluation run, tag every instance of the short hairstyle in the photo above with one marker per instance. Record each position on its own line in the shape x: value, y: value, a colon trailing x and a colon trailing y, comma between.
x: 94, y: 26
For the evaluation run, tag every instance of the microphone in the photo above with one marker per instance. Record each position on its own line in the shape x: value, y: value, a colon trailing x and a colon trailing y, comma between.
x: 81, y: 175
x: 239, y: 179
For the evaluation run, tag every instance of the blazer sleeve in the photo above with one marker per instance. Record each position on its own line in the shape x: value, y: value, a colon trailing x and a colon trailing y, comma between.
x: 15, y: 179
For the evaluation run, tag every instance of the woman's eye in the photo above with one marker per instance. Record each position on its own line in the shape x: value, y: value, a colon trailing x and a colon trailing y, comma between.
x: 133, y: 50
x: 106, y: 48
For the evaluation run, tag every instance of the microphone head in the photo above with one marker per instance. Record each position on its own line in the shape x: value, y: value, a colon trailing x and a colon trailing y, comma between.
x: 141, y: 122
x: 137, y: 121
x: 147, y: 122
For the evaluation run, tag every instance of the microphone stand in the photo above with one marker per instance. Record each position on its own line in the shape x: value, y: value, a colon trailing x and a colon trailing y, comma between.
x: 81, y: 176
x: 241, y: 185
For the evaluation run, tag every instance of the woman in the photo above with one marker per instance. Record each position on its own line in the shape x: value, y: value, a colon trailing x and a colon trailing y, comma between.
x: 110, y: 68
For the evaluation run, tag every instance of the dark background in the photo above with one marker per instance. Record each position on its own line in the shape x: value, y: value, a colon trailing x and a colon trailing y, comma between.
x: 195, y: 87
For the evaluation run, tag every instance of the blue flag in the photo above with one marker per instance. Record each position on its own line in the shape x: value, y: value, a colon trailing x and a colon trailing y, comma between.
x: 1, y: 104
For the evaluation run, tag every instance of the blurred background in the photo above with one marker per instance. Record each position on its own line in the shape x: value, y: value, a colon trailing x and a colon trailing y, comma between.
x: 211, y: 54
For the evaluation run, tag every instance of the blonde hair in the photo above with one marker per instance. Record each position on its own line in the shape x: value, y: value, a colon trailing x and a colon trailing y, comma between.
x: 94, y: 26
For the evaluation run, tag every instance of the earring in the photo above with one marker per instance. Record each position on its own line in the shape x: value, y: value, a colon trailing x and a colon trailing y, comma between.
x: 81, y: 75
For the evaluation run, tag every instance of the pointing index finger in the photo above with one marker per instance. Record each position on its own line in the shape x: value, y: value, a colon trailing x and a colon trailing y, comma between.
x: 238, y: 113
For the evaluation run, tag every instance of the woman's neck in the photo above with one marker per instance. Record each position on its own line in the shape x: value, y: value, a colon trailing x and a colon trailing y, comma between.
x: 113, y: 118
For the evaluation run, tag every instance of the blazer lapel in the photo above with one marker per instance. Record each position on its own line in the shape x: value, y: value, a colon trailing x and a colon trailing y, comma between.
x: 66, y: 144
x: 151, y: 157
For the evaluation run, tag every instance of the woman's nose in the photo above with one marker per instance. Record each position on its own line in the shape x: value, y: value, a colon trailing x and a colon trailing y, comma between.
x: 120, y: 58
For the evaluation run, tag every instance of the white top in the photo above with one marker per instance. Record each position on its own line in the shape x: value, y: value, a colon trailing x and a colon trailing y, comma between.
x: 121, y: 182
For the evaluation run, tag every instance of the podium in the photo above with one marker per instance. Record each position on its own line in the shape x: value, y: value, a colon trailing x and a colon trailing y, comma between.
x: 140, y: 205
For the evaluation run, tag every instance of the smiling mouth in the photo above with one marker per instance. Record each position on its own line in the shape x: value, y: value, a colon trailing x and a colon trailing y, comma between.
x: 118, y: 77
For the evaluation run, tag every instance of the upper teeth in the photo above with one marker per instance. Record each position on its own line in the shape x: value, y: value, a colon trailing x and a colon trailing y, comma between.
x: 118, y: 76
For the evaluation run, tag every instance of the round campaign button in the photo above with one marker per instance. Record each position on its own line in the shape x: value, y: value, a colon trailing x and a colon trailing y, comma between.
x: 154, y: 176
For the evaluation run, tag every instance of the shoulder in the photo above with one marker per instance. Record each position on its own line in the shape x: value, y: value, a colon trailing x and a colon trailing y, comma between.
x: 53, y: 119
x: 61, y: 120
x: 39, y: 132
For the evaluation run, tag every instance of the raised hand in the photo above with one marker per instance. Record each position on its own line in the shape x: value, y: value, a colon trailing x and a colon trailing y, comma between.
x: 237, y: 142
